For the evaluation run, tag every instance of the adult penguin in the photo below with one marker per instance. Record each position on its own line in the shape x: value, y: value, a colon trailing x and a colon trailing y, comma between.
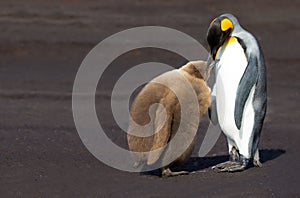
x: 240, y: 90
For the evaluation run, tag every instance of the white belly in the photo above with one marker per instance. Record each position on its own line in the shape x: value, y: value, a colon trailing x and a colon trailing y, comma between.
x: 229, y: 71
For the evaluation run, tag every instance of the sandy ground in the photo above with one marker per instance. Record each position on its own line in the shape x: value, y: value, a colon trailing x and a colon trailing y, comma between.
x: 41, y: 47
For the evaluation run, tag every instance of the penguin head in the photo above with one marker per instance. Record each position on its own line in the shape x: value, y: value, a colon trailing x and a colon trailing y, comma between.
x: 219, y: 30
x: 196, y: 69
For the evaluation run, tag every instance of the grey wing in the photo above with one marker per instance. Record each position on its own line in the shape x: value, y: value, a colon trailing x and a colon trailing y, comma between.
x: 247, y: 81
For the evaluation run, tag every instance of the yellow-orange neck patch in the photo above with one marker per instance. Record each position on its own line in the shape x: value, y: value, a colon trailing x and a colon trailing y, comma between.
x: 231, y: 40
x: 226, y: 24
x: 228, y: 41
x: 217, y: 54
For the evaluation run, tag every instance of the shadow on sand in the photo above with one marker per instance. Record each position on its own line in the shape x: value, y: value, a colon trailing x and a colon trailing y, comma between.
x: 200, y: 163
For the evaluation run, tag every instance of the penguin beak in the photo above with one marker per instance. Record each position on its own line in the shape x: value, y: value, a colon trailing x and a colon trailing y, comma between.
x: 218, y: 31
x: 209, y: 66
x: 214, y: 52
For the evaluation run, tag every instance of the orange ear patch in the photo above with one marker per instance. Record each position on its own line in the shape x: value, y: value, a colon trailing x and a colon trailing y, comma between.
x: 226, y: 24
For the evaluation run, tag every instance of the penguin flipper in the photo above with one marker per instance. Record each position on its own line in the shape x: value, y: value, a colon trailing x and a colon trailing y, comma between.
x: 247, y: 81
x: 162, y: 136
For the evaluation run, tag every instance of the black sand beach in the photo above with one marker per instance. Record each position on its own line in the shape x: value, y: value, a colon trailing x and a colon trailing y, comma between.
x: 42, y: 44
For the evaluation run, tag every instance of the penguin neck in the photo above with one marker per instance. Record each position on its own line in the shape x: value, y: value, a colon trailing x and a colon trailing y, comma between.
x: 229, y: 40
x: 237, y: 30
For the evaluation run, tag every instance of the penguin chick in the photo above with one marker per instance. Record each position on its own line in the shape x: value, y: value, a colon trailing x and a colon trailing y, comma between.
x: 152, y: 93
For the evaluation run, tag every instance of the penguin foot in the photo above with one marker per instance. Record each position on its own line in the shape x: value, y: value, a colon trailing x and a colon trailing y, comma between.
x: 234, y: 168
x: 234, y: 159
x: 257, y: 163
x: 225, y: 165
x: 168, y: 173
x: 234, y: 155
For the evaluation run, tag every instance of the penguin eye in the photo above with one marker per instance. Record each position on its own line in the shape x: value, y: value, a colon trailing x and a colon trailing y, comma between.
x: 226, y: 24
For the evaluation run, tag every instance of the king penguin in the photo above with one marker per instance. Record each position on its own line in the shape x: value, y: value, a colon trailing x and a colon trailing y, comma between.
x: 156, y: 93
x: 239, y: 96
